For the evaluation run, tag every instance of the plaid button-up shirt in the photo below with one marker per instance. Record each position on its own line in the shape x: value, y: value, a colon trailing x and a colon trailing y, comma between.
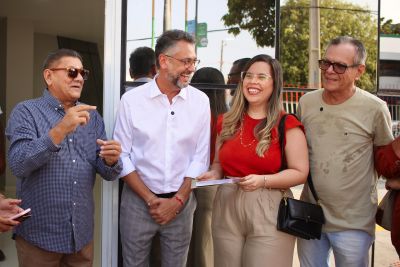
x: 56, y: 181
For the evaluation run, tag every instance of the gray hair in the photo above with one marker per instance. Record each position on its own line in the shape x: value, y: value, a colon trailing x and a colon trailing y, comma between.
x: 168, y: 39
x: 361, y: 53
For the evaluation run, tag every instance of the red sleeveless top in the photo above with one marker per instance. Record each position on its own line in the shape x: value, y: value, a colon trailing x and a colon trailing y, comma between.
x: 238, y: 155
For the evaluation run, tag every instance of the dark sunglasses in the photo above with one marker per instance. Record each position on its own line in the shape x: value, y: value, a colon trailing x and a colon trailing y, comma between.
x: 339, y: 68
x: 73, y: 72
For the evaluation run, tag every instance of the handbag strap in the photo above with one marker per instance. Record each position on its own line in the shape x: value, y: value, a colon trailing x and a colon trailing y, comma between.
x: 281, y: 134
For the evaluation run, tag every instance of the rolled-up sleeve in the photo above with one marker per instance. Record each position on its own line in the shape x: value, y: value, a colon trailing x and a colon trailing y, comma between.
x: 123, y: 134
x: 201, y: 158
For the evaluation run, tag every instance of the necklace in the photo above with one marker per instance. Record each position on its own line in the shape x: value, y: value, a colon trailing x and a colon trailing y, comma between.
x: 241, y: 136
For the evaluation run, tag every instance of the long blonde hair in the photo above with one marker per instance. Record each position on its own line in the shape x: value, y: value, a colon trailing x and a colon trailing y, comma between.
x: 233, y: 118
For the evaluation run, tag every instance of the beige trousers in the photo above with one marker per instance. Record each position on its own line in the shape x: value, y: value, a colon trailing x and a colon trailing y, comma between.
x: 244, y: 229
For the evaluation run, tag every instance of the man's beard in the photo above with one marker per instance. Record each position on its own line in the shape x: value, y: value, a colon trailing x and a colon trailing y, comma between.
x: 176, y: 81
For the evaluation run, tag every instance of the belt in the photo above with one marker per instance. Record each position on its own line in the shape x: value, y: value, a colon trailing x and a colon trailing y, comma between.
x: 166, y: 195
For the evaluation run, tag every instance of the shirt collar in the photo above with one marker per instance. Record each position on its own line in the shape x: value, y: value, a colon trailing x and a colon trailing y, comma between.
x: 155, y: 90
x: 53, y: 102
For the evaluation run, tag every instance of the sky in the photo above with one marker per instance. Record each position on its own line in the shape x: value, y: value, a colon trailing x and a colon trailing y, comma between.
x: 221, y: 45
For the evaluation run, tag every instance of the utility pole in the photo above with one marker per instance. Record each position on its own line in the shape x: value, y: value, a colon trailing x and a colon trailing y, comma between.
x: 167, y: 15
x: 314, y: 76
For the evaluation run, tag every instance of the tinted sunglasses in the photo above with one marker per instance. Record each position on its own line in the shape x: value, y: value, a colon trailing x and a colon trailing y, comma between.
x: 339, y: 68
x: 73, y: 72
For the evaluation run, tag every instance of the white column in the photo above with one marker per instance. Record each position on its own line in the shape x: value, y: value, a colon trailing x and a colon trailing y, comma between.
x: 112, y: 66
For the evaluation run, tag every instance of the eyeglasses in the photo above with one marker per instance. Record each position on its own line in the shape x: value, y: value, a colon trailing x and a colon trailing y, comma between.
x: 339, y: 68
x: 73, y: 72
x: 186, y: 61
x: 260, y: 76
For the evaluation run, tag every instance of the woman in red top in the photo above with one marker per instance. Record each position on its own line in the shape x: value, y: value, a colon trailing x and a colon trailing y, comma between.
x: 245, y: 214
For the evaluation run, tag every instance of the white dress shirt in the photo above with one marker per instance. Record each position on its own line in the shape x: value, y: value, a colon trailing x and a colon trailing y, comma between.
x: 164, y: 142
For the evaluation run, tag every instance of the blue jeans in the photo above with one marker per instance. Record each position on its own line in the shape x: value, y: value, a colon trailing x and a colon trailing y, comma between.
x: 350, y: 249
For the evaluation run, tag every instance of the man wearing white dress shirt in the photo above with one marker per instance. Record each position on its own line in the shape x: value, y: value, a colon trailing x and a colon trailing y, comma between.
x: 164, y: 129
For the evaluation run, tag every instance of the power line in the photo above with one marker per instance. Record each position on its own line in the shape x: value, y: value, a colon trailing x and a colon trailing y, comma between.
x: 332, y: 8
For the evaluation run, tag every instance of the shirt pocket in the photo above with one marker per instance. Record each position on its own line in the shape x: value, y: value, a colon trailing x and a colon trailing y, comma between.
x: 90, y: 149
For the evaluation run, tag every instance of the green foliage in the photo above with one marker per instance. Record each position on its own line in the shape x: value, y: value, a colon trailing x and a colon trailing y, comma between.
x: 255, y: 16
x: 336, y: 18
x: 388, y: 27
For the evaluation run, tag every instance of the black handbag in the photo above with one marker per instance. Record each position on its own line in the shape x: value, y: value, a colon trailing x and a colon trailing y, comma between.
x: 296, y: 217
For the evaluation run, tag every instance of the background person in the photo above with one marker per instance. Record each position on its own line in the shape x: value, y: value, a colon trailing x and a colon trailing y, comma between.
x: 142, y: 65
x: 343, y: 124
x: 57, y: 145
x: 245, y: 214
x: 201, y: 252
x: 164, y: 129
x: 235, y: 71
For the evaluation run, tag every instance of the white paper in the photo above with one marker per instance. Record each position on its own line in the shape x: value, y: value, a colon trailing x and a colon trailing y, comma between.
x: 197, y: 183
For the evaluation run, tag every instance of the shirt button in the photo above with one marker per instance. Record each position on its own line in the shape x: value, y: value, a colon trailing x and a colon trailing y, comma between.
x: 73, y: 225
x: 74, y: 182
x: 74, y: 203
x: 70, y: 140
x: 172, y: 113
x: 55, y: 108
x: 73, y: 161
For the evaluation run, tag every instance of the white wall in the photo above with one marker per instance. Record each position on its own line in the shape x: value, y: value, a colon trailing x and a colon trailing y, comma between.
x: 19, y: 66
x: 43, y: 44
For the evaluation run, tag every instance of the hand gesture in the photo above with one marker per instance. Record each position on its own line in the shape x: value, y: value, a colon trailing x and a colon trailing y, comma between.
x: 109, y: 151
x: 75, y: 116
x: 251, y: 182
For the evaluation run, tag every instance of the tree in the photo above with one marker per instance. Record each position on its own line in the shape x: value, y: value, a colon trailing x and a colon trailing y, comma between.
x: 388, y: 27
x: 337, y: 18
x: 255, y: 16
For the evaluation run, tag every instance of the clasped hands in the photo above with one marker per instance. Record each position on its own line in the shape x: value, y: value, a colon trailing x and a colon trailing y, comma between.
x: 247, y: 183
x: 164, y: 210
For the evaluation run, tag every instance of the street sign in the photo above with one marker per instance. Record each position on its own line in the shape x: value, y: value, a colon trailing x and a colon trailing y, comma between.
x: 201, y: 39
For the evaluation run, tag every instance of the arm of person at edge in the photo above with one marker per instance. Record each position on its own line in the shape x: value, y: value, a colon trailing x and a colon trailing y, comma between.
x: 387, y: 163
x: 8, y: 208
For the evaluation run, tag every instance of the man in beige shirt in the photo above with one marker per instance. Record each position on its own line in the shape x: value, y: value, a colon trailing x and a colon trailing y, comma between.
x: 343, y: 124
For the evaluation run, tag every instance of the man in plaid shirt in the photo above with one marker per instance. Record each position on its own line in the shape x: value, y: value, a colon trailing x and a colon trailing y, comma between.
x: 57, y: 145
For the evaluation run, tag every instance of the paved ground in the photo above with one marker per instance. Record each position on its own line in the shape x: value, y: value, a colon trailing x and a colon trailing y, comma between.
x: 385, y: 254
